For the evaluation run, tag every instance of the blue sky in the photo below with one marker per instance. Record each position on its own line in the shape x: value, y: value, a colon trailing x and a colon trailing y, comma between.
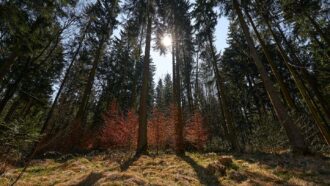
x: 164, y: 63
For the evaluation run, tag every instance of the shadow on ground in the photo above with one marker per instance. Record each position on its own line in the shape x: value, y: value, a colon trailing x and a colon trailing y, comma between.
x: 313, y: 169
x: 204, y: 176
x: 126, y: 164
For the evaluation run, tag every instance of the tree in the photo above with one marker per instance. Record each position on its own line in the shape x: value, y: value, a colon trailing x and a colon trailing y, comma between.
x: 280, y: 80
x: 24, y: 24
x: 106, y: 12
x: 296, y: 139
x: 142, y: 134
x: 205, y: 25
x: 66, y: 76
x: 300, y: 85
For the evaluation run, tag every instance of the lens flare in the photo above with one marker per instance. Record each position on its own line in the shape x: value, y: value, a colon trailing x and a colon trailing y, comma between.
x: 167, y: 40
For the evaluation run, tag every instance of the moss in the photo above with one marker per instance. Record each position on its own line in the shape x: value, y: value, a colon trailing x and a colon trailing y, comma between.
x: 36, y: 169
x: 284, y: 175
x: 233, y: 166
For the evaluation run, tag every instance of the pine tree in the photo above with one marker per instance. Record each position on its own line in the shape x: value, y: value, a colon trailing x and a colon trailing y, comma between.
x: 206, y: 21
x: 296, y: 139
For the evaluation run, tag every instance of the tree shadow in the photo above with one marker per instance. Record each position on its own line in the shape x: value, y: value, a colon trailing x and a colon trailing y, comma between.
x: 204, y: 176
x: 91, y: 179
x: 287, y: 165
x: 126, y: 164
x: 287, y: 160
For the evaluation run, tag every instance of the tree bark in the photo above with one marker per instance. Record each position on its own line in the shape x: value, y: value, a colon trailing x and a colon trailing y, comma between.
x: 142, y: 144
x: 88, y: 89
x: 229, y: 122
x: 296, y: 139
x: 179, y: 146
x: 187, y: 81
x: 277, y: 74
x: 138, y: 60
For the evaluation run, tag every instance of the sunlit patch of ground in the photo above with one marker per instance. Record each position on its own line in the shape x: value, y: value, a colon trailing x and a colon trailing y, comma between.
x: 169, y: 169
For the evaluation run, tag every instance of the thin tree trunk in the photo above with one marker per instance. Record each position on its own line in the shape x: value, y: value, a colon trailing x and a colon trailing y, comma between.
x: 138, y: 60
x: 179, y: 147
x: 295, y: 137
x: 303, y: 91
x: 223, y: 100
x: 173, y: 64
x: 197, y: 102
x: 277, y: 74
x: 142, y: 144
x: 321, y: 101
x: 88, y: 89
x: 187, y: 82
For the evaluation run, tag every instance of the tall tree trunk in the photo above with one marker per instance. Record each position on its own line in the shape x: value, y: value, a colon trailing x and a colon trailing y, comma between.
x: 307, y: 77
x: 197, y: 81
x: 301, y: 87
x: 142, y: 144
x: 187, y: 81
x: 189, y: 93
x: 293, y: 132
x: 138, y: 60
x: 179, y: 147
x: 173, y: 63
x: 88, y: 89
x: 277, y: 74
x: 223, y: 100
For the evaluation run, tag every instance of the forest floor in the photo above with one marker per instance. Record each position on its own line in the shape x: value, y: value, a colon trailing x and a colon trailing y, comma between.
x: 115, y: 168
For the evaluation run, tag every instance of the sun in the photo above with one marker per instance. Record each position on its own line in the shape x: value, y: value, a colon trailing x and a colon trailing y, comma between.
x: 167, y: 40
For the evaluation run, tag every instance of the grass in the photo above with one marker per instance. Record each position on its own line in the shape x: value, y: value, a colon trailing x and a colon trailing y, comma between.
x: 169, y: 169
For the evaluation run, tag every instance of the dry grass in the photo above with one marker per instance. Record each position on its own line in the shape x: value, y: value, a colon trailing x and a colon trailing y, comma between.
x: 169, y: 169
